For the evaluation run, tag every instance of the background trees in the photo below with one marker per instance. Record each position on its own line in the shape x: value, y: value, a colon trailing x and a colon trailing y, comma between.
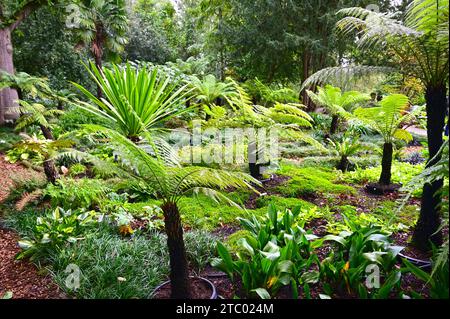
x: 12, y: 13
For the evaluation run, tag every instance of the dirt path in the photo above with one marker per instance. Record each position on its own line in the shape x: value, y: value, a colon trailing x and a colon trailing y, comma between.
x: 19, y: 277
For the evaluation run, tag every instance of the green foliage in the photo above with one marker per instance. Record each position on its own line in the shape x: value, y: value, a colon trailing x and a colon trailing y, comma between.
x: 102, y: 27
x: 20, y: 152
x: 269, y: 95
x: 153, y: 32
x: 309, y: 181
x: 336, y: 102
x: 7, y: 295
x: 401, y: 173
x: 8, y: 138
x: 56, y: 59
x: 344, y: 271
x: 346, y: 146
x: 55, y: 230
x: 383, y: 216
x: 77, y: 193
x: 77, y: 169
x: 388, y: 118
x: 136, y: 100
x: 277, y: 253
x: 36, y: 114
x: 37, y: 150
x: 114, y: 268
x: 209, y: 90
x: 282, y: 202
x: 438, y: 281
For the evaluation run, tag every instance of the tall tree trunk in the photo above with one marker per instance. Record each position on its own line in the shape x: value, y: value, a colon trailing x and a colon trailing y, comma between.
x: 97, y: 52
x: 334, y: 125
x: 99, y: 65
x: 306, y: 59
x: 427, y: 228
x: 179, y: 276
x: 386, y: 164
x: 8, y: 97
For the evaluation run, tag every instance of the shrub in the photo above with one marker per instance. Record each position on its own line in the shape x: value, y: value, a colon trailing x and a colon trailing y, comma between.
x: 277, y: 252
x: 77, y: 193
x: 55, y: 230
x: 343, y: 272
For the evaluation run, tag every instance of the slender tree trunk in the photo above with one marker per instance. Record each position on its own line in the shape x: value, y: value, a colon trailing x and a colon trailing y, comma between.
x: 334, y: 125
x: 386, y: 164
x: 99, y: 65
x: 427, y: 228
x: 179, y: 274
x: 97, y: 52
x: 49, y: 165
x: 47, y: 132
x: 8, y: 97
x: 304, y: 95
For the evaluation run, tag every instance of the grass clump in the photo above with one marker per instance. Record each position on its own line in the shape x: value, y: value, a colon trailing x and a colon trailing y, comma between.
x: 114, y: 268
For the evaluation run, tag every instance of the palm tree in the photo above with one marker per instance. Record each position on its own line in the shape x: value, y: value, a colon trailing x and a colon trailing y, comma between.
x: 419, y: 47
x: 102, y: 27
x: 135, y: 100
x: 387, y: 119
x: 336, y: 102
x: 170, y: 183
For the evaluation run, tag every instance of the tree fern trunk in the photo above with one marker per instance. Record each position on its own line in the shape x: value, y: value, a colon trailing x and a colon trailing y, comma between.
x: 343, y: 164
x: 334, y: 125
x: 179, y: 276
x: 386, y: 164
x: 47, y: 132
x: 252, y: 155
x: 429, y: 219
x: 50, y: 171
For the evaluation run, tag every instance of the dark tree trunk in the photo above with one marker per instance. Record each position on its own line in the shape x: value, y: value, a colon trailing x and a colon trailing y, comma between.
x: 46, y: 132
x: 97, y: 52
x: 343, y: 164
x: 50, y: 171
x: 386, y: 164
x: 98, y: 63
x: 252, y: 155
x: 306, y: 64
x: 427, y: 228
x: 8, y: 97
x: 179, y: 276
x: 334, y: 125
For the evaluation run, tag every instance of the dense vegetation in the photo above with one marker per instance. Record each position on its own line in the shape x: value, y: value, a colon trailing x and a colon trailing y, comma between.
x: 169, y: 140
